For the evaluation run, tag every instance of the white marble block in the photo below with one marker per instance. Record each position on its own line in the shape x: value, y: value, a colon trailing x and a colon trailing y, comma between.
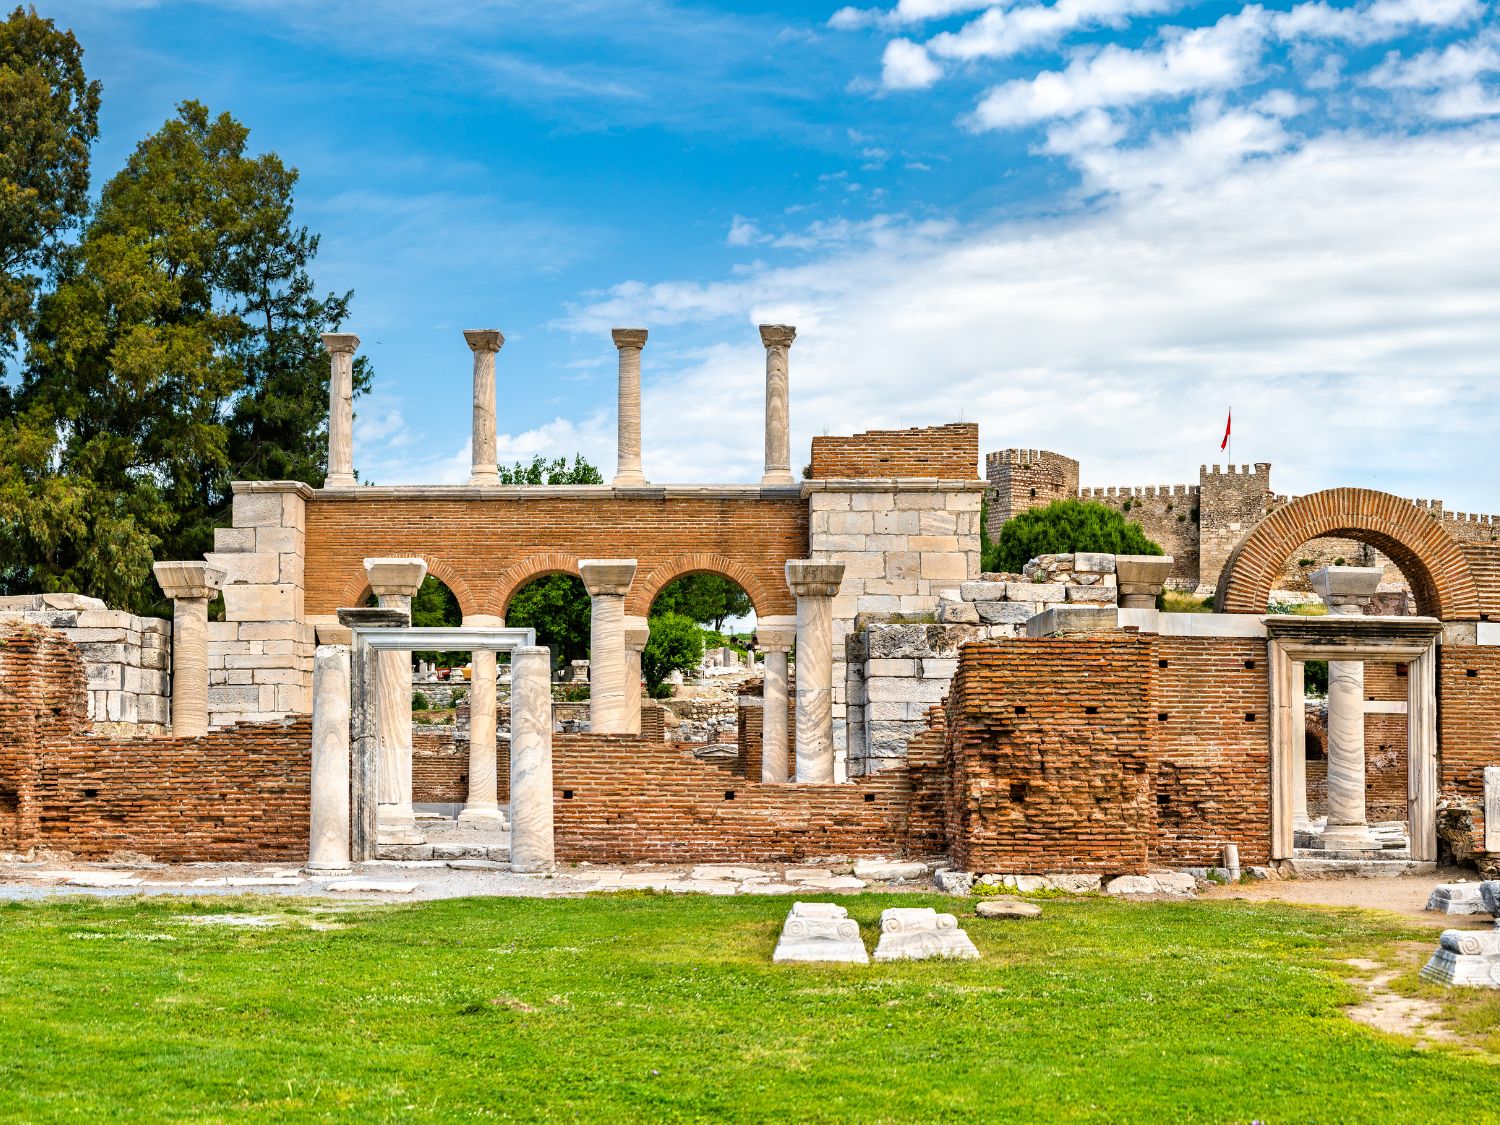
x: 820, y: 931
x: 1464, y: 957
x: 917, y: 933
x: 1455, y: 898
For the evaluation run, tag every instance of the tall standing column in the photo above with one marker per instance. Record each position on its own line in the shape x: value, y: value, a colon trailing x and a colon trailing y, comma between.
x: 815, y: 586
x: 637, y: 633
x: 774, y: 637
x: 630, y: 341
x: 340, y: 347
x: 328, y: 806
x: 1299, y: 743
x: 1346, y: 590
x: 394, y: 582
x: 190, y: 585
x: 778, y: 341
x: 485, y: 343
x: 531, y: 848
x: 607, y: 581
x: 483, y: 804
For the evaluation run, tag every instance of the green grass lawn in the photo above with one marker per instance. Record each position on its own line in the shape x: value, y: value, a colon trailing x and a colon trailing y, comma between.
x: 650, y: 1008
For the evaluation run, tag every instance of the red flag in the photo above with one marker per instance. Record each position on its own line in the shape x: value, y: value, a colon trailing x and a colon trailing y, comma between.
x: 1228, y: 421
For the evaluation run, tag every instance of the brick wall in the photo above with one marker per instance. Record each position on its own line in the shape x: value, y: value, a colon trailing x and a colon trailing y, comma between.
x: 440, y: 767
x: 486, y: 549
x: 1468, y: 724
x: 947, y: 452
x: 751, y: 713
x: 623, y: 799
x: 1386, y: 760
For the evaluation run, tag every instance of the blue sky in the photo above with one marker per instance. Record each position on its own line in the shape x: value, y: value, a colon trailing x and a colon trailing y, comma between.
x: 1088, y: 225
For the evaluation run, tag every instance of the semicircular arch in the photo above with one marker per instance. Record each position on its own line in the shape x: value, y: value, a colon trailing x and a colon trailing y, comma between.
x: 645, y: 588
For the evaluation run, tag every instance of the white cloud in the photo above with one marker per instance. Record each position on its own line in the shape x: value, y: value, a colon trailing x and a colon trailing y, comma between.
x: 1372, y: 22
x: 907, y: 66
x: 742, y: 232
x: 1445, y: 84
x: 1189, y: 61
x: 1341, y: 294
x: 1002, y: 32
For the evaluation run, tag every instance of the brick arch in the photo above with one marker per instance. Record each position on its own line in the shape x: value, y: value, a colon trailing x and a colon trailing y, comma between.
x: 1428, y: 556
x: 357, y: 587
x: 518, y: 574
x: 644, y: 589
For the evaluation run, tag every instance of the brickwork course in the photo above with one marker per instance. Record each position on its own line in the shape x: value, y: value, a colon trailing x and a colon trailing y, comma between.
x: 941, y: 452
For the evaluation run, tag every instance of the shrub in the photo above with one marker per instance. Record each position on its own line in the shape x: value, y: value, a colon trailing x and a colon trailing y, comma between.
x: 675, y: 645
x: 419, y: 702
x: 1063, y: 527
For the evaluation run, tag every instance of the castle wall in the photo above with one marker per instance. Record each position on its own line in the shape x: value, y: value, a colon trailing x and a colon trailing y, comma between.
x: 1022, y: 479
x: 1168, y: 515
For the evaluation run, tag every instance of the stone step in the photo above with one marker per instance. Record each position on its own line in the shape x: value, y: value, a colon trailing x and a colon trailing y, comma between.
x: 1322, y: 867
x: 498, y: 852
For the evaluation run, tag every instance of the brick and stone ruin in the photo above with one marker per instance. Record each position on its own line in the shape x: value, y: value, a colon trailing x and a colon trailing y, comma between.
x: 1053, y: 724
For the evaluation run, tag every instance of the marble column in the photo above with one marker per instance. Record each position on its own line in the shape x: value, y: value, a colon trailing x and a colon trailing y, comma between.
x: 629, y: 341
x: 778, y: 341
x: 485, y: 343
x: 607, y: 581
x: 637, y: 633
x: 340, y: 347
x: 1299, y: 743
x: 531, y: 848
x: 815, y: 585
x: 774, y: 637
x: 191, y: 586
x: 482, y: 808
x: 394, y: 582
x: 328, y: 836
x: 1346, y: 590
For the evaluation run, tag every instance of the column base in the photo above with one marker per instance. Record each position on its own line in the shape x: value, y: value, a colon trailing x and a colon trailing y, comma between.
x: 782, y: 476
x: 629, y: 480
x: 485, y: 478
x: 1349, y: 838
x: 319, y: 870
x: 483, y: 816
x: 397, y: 824
x: 340, y: 480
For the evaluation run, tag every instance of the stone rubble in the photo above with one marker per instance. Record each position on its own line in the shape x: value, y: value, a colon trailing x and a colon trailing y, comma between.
x: 1007, y: 908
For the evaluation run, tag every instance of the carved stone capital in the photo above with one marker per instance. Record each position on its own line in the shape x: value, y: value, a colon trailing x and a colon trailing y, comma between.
x: 629, y: 337
x: 775, y: 634
x: 395, y: 577
x: 814, y: 579
x: 340, y: 343
x: 189, y: 579
x: 778, y: 335
x: 484, y: 339
x: 637, y: 633
x: 1346, y: 589
x: 607, y: 577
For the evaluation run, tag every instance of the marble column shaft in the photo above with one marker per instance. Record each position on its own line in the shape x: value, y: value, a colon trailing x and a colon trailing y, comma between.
x: 531, y: 843
x: 485, y: 344
x: 483, y: 803
x: 394, y: 582
x: 815, y: 585
x: 774, y: 637
x: 341, y: 347
x: 328, y: 837
x: 607, y: 582
x: 777, y: 339
x: 1299, y: 743
x: 1346, y: 743
x: 637, y: 633
x: 190, y: 586
x: 629, y: 341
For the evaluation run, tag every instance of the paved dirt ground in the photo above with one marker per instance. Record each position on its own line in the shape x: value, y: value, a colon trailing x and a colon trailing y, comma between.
x: 1406, y: 896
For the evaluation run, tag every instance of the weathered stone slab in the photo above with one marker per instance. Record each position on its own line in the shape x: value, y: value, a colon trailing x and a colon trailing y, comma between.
x: 954, y: 882
x: 1073, y: 884
x: 834, y: 883
x: 920, y: 933
x: 1467, y: 958
x: 1164, y: 883
x: 889, y: 870
x: 820, y: 931
x: 381, y: 886
x: 1005, y: 613
x: 1456, y: 898
x: 702, y: 887
x: 1007, y: 908
x: 720, y: 871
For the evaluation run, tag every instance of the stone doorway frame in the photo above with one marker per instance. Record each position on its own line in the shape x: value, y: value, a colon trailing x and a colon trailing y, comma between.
x: 376, y: 630
x: 1291, y: 641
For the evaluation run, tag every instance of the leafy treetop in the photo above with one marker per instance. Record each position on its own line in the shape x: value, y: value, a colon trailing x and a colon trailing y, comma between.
x: 1063, y: 527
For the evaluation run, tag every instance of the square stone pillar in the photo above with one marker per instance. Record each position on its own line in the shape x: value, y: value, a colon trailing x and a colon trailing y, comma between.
x: 328, y: 836
x: 191, y: 586
x: 607, y: 581
x: 394, y: 582
x: 637, y: 633
x: 774, y: 637
x: 628, y: 473
x: 485, y: 343
x: 341, y: 347
x: 815, y: 586
x: 483, y: 804
x: 531, y: 835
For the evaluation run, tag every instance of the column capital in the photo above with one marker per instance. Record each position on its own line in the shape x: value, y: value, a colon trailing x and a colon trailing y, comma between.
x: 484, y: 339
x: 637, y: 632
x: 395, y: 577
x: 1346, y: 590
x: 808, y: 579
x: 775, y: 634
x: 340, y: 343
x: 629, y: 337
x: 189, y: 579
x: 603, y: 577
x: 778, y: 335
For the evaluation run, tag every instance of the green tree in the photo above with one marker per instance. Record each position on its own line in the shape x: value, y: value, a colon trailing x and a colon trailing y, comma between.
x: 1062, y: 527
x: 176, y: 352
x: 706, y: 598
x: 558, y: 608
x: 557, y: 471
x: 49, y: 116
x: 434, y: 606
x: 675, y: 645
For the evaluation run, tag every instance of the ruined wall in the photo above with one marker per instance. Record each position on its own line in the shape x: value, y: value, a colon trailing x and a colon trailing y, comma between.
x: 1168, y: 515
x: 1468, y: 724
x: 751, y: 716
x: 1022, y: 479
x: 622, y: 799
x: 1230, y: 503
x: 943, y: 452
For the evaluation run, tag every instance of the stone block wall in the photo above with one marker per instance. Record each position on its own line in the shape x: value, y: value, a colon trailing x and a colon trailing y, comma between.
x: 937, y: 452
x: 126, y: 658
x: 260, y: 656
x: 1229, y: 505
x: 1022, y: 479
x: 896, y: 674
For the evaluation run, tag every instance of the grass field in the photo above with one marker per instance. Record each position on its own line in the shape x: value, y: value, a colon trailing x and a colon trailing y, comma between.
x: 655, y: 1008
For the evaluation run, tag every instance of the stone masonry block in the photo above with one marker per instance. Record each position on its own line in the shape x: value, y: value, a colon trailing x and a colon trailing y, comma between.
x: 246, y: 567
x: 944, y: 543
x: 260, y: 603
x: 886, y: 666
x: 872, y: 501
x: 279, y: 540
x: 1005, y: 613
x: 943, y: 567
x: 234, y: 539
x: 895, y: 522
x: 1088, y: 562
x: 257, y: 509
x: 831, y: 501
x: 1092, y: 595
x: 921, y: 501
x: 850, y: 523
x: 1036, y: 591
x: 983, y: 591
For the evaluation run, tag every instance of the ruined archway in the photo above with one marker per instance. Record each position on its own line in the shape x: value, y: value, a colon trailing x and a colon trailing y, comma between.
x: 1441, y: 581
x: 645, y: 588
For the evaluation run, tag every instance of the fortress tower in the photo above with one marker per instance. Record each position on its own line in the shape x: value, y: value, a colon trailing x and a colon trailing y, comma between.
x: 1022, y: 479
